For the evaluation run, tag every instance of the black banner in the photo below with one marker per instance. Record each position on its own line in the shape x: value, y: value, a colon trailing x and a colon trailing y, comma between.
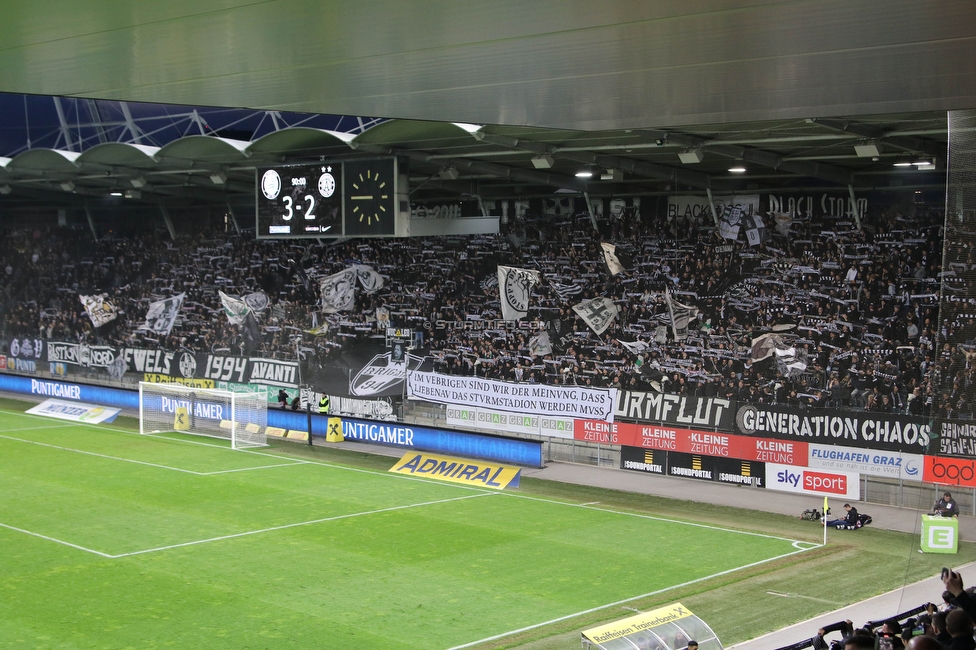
x: 79, y: 354
x: 955, y: 438
x: 28, y: 349
x: 740, y: 472
x: 650, y: 461
x: 684, y: 411
x: 691, y: 466
x: 864, y: 430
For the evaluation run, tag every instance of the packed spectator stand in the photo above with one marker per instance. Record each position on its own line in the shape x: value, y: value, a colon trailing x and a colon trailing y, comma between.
x: 856, y: 310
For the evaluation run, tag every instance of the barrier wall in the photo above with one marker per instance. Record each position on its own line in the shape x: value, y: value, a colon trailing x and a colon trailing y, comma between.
x: 512, y: 451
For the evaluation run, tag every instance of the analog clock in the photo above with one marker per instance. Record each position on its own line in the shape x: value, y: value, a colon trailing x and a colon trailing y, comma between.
x: 370, y: 197
x: 327, y: 184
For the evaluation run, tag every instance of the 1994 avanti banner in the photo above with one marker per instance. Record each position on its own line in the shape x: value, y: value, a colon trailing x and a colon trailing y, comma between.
x: 538, y: 399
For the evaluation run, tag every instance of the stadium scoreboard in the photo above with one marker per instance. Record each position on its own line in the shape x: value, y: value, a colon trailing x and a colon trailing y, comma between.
x: 348, y: 198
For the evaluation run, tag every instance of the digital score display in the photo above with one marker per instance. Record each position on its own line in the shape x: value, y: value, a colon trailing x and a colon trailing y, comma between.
x: 301, y: 201
x: 329, y: 199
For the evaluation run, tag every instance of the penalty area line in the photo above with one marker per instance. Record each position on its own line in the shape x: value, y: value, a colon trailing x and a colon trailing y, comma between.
x: 56, y: 540
x: 625, y: 600
x: 297, y: 524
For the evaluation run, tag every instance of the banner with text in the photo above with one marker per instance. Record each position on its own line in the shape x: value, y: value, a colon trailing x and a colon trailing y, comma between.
x: 812, y: 481
x: 875, y: 431
x: 677, y: 410
x: 890, y: 464
x: 535, y: 399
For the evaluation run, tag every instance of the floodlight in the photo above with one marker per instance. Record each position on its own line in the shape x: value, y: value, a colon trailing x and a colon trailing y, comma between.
x: 448, y: 173
x: 690, y: 156
x: 866, y: 149
x: 68, y: 186
x: 218, y: 178
x: 542, y: 162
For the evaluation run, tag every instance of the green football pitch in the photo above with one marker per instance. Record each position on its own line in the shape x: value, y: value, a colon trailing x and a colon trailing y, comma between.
x: 109, y: 539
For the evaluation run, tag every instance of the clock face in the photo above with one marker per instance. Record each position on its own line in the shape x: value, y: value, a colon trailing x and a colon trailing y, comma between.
x: 271, y: 184
x: 370, y: 197
x: 327, y: 184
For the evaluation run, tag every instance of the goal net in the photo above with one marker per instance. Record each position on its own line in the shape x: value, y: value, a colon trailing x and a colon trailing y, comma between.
x: 239, y: 417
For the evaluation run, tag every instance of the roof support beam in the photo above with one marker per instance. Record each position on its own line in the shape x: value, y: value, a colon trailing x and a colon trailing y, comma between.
x: 907, y: 143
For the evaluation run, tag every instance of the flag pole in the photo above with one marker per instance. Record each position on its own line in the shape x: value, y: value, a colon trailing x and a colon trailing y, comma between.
x: 825, y: 521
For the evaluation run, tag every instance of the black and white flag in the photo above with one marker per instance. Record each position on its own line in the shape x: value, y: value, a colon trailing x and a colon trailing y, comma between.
x: 636, y: 348
x: 598, y: 313
x: 235, y: 308
x: 257, y: 302
x: 338, y: 291
x: 728, y: 225
x: 565, y: 291
x: 99, y: 309
x: 681, y: 316
x: 614, y: 262
x: 370, y: 280
x: 162, y: 314
x: 515, y: 289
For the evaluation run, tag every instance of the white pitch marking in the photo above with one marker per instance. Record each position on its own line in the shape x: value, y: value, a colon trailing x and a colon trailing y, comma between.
x: 59, y: 541
x: 301, y: 523
x: 92, y: 453
x: 591, y: 503
x: 621, y: 602
x: 248, y: 469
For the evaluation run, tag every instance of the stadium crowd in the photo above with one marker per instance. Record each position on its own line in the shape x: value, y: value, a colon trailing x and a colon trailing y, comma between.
x: 851, y: 315
x: 946, y: 626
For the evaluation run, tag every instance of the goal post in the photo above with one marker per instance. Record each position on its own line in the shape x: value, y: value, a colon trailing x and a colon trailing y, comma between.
x: 241, y: 417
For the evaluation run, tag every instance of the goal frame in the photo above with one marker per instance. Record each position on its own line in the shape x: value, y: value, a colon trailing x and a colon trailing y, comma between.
x: 226, y: 396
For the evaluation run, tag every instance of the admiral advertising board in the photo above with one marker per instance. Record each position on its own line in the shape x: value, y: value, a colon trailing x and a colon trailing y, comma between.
x: 787, y: 478
x: 874, y: 431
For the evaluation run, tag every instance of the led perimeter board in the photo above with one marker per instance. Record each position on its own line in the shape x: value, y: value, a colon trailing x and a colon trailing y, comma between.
x: 327, y: 199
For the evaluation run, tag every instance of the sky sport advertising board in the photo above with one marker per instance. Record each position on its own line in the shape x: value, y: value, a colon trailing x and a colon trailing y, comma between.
x: 802, y: 480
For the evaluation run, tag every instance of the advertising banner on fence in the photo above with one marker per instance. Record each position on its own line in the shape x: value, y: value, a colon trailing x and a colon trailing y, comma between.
x: 649, y: 461
x: 677, y: 410
x: 273, y: 372
x: 875, y: 431
x: 891, y: 464
x: 535, y: 399
x: 472, y: 417
x: 690, y: 441
x: 691, y: 466
x: 950, y: 471
x: 556, y: 427
x: 740, y: 472
x: 153, y: 378
x: 813, y: 481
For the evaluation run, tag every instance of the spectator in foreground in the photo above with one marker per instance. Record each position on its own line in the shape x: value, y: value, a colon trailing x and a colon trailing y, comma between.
x: 960, y: 628
x: 859, y: 642
x: 923, y: 643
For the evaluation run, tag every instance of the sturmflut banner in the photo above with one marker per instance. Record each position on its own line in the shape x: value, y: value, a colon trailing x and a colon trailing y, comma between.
x: 537, y: 399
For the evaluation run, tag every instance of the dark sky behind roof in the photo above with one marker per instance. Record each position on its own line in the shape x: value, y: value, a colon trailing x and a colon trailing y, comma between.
x: 31, y: 122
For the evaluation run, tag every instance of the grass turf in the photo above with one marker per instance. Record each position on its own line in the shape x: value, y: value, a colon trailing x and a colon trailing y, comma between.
x: 386, y: 562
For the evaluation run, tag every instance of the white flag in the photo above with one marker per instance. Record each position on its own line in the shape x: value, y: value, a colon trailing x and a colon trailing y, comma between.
x: 597, y: 313
x: 636, y: 348
x: 235, y: 308
x: 368, y: 278
x: 540, y: 345
x: 728, y: 225
x: 681, y: 316
x: 515, y: 289
x: 338, y: 291
x: 162, y: 314
x: 100, y: 310
x: 610, y: 257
